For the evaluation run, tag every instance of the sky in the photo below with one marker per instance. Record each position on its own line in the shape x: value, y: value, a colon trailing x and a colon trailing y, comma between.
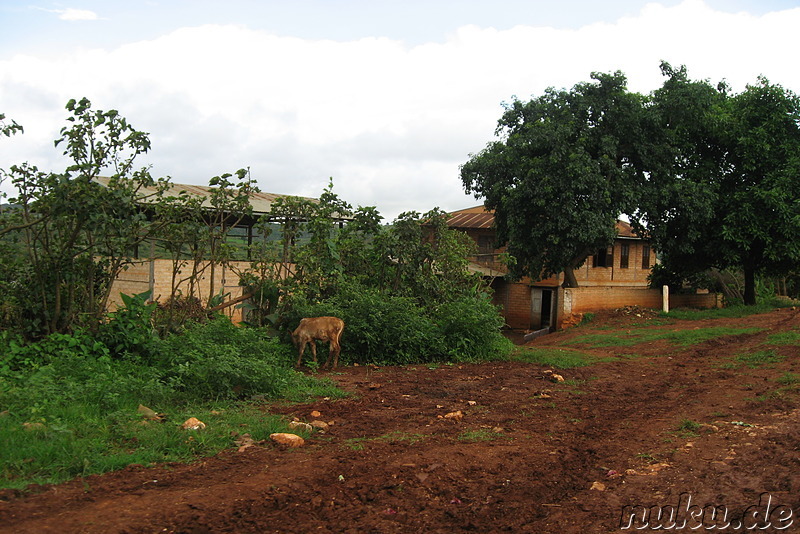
x: 388, y: 98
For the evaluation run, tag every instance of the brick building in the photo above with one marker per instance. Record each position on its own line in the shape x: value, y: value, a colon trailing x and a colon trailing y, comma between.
x: 613, y: 277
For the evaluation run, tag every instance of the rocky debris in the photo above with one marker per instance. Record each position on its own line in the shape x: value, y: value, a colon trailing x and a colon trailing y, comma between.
x: 315, y: 414
x: 287, y: 440
x: 553, y: 376
x: 598, y: 486
x: 299, y: 425
x: 322, y: 426
x: 244, y: 441
x: 193, y: 423
x: 149, y: 414
x: 636, y: 311
x: 455, y: 416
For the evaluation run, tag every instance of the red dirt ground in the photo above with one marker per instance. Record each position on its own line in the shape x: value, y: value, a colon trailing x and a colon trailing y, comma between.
x: 529, y: 455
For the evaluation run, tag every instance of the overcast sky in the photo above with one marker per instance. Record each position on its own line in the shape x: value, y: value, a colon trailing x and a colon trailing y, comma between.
x: 387, y: 97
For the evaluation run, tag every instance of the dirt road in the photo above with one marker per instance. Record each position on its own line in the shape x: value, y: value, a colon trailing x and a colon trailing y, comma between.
x: 658, y: 425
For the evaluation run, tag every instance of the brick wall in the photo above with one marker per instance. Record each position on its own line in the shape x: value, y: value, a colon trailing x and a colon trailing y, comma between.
x: 515, y: 301
x: 586, y: 299
x: 157, y: 275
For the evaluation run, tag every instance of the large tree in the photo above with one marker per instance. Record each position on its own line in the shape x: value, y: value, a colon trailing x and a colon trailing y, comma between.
x: 564, y: 169
x: 726, y: 190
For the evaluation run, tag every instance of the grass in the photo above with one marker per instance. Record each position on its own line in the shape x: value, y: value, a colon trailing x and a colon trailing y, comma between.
x: 791, y: 337
x: 689, y: 429
x: 677, y: 337
x: 733, y: 312
x: 557, y: 358
x: 480, y: 435
x: 788, y: 379
x: 73, y: 445
x: 761, y: 358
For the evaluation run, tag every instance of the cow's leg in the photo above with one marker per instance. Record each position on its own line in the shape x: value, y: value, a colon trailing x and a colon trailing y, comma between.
x: 314, y: 349
x: 300, y: 352
x: 334, y: 350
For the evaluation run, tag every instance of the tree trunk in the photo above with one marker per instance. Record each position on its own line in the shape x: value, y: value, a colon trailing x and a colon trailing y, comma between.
x: 569, y: 278
x: 749, y: 286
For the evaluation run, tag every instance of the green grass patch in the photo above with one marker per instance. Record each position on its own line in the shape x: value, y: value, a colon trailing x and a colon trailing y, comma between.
x: 677, y: 337
x: 69, y: 409
x: 761, y: 358
x: 75, y: 444
x: 788, y: 379
x: 740, y: 310
x: 688, y: 428
x: 791, y: 337
x: 557, y: 358
x: 480, y: 435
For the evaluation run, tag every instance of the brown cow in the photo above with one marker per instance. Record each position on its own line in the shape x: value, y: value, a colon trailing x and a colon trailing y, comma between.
x: 312, y: 329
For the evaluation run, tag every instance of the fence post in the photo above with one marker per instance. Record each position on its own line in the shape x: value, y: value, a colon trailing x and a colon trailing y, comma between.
x: 665, y: 298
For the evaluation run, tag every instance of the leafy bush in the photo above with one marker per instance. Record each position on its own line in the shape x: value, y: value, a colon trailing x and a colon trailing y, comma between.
x: 129, y: 330
x: 394, y: 330
x: 42, y: 379
x: 219, y: 360
x: 470, y: 329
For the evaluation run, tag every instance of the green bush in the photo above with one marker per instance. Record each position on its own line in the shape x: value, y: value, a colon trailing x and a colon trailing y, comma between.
x: 470, y: 329
x: 393, y: 330
x: 220, y: 360
x: 129, y: 330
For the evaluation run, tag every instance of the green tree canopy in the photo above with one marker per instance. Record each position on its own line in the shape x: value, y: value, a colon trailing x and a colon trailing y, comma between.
x: 564, y: 169
x: 726, y: 190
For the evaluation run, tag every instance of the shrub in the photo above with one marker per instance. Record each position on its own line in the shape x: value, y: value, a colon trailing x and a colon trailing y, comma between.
x: 470, y: 329
x: 219, y: 360
x: 395, y: 330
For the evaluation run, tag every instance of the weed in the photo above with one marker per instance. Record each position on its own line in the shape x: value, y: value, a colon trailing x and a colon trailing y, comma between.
x: 480, y: 435
x: 689, y: 426
x: 558, y: 358
x: 788, y: 379
x: 758, y: 359
x: 648, y: 457
x: 792, y: 337
x: 679, y: 337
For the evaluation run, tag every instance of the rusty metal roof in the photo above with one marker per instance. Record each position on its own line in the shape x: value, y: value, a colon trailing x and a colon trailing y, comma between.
x: 478, y: 217
x: 624, y: 229
x: 261, y: 202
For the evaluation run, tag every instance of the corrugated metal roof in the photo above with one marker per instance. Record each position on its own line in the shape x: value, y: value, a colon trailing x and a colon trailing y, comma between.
x: 479, y: 218
x: 261, y: 202
x: 476, y: 217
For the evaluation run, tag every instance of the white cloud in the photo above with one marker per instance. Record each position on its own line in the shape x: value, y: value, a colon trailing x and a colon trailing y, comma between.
x: 72, y: 14
x: 390, y: 123
x: 76, y: 14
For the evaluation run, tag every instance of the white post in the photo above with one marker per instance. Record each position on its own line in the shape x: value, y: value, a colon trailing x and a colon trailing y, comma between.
x: 665, y: 298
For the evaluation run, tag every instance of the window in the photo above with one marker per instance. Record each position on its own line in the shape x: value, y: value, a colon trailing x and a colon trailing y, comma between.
x: 624, y: 254
x: 485, y: 244
x: 604, y: 257
x: 645, y: 256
